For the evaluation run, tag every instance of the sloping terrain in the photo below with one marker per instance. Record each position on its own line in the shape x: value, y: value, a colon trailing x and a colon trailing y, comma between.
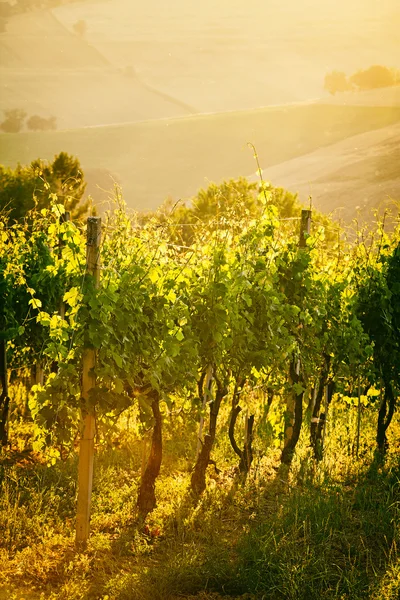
x: 176, y: 157
x: 151, y: 59
x: 47, y: 70
x: 220, y: 55
x: 348, y: 178
x: 36, y: 40
x: 389, y: 96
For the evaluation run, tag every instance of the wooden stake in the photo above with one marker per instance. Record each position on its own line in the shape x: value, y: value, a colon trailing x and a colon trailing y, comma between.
x: 86, y: 445
x: 39, y: 373
x: 305, y: 227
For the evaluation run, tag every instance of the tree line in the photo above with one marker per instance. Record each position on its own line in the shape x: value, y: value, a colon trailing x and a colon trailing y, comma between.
x: 374, y: 77
x: 16, y: 118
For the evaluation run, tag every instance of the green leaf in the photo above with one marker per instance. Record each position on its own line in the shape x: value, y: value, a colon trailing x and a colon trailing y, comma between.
x: 35, y: 302
x: 118, y: 360
x: 71, y: 297
x: 179, y: 335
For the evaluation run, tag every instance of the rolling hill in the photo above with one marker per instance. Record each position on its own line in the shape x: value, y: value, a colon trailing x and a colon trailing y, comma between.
x: 176, y: 157
x: 219, y: 55
x: 153, y: 60
x: 47, y: 70
x: 37, y: 40
x: 348, y: 178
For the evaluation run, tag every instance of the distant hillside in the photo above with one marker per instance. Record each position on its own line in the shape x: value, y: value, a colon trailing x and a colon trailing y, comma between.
x: 46, y: 69
x: 389, y: 96
x: 37, y: 40
x: 220, y: 55
x: 353, y: 176
x: 176, y: 157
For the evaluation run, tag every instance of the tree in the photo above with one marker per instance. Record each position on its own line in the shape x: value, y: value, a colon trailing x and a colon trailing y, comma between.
x: 14, y: 120
x: 25, y: 187
x: 223, y: 206
x: 336, y: 81
x: 37, y: 123
x: 375, y: 77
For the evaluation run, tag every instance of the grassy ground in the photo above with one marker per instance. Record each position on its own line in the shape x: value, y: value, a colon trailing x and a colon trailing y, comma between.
x: 323, y: 532
x: 177, y: 157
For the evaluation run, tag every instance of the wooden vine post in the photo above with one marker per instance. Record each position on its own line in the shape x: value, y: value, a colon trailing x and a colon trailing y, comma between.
x: 305, y: 226
x: 86, y: 445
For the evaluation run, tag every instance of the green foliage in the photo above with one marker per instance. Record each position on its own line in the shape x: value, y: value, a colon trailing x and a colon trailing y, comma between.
x: 231, y: 205
x: 374, y: 77
x: 244, y: 298
x: 25, y: 188
x: 241, y: 297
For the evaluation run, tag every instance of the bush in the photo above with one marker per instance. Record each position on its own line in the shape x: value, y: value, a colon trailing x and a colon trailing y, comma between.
x: 23, y: 187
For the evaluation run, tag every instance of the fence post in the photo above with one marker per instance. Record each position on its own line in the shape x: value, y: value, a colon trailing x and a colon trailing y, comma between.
x: 305, y: 227
x: 86, y: 445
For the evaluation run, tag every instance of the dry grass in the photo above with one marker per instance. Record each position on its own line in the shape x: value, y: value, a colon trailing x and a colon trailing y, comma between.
x: 325, y: 532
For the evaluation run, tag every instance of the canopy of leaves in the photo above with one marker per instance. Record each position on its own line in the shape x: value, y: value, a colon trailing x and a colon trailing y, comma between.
x: 14, y: 120
x: 336, y: 81
x: 242, y: 297
x: 26, y: 187
x: 376, y: 76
